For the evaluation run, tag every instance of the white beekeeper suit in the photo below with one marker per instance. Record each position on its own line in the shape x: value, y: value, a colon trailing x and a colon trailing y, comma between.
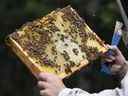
x: 123, y: 91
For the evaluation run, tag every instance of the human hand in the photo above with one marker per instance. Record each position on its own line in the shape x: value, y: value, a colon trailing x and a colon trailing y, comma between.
x: 117, y: 61
x: 50, y: 84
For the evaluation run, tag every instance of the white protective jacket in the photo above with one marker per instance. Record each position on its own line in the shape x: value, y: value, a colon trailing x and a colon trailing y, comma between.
x: 112, y: 92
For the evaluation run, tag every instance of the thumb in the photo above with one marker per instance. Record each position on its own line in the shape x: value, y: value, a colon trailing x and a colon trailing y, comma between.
x: 43, y: 76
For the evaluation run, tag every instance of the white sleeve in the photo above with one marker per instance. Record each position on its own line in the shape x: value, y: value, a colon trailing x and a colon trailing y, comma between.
x: 114, y: 92
x: 79, y: 92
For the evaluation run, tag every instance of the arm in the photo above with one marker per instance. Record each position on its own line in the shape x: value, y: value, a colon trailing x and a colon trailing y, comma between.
x: 51, y: 85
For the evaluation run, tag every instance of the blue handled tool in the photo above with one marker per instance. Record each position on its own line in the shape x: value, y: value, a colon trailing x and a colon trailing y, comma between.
x: 115, y: 41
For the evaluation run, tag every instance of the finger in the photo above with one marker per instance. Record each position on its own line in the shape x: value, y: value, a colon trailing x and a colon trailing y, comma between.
x: 109, y: 53
x: 108, y: 46
x: 115, y: 49
x: 115, y: 68
x: 44, y: 93
x: 42, y: 85
x: 108, y: 60
x: 43, y: 76
x: 111, y: 57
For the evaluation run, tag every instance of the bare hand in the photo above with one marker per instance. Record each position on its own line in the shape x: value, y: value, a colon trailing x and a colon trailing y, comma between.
x: 117, y: 61
x: 50, y: 84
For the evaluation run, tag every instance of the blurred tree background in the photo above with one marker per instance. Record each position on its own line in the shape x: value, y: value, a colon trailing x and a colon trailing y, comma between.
x: 16, y: 80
